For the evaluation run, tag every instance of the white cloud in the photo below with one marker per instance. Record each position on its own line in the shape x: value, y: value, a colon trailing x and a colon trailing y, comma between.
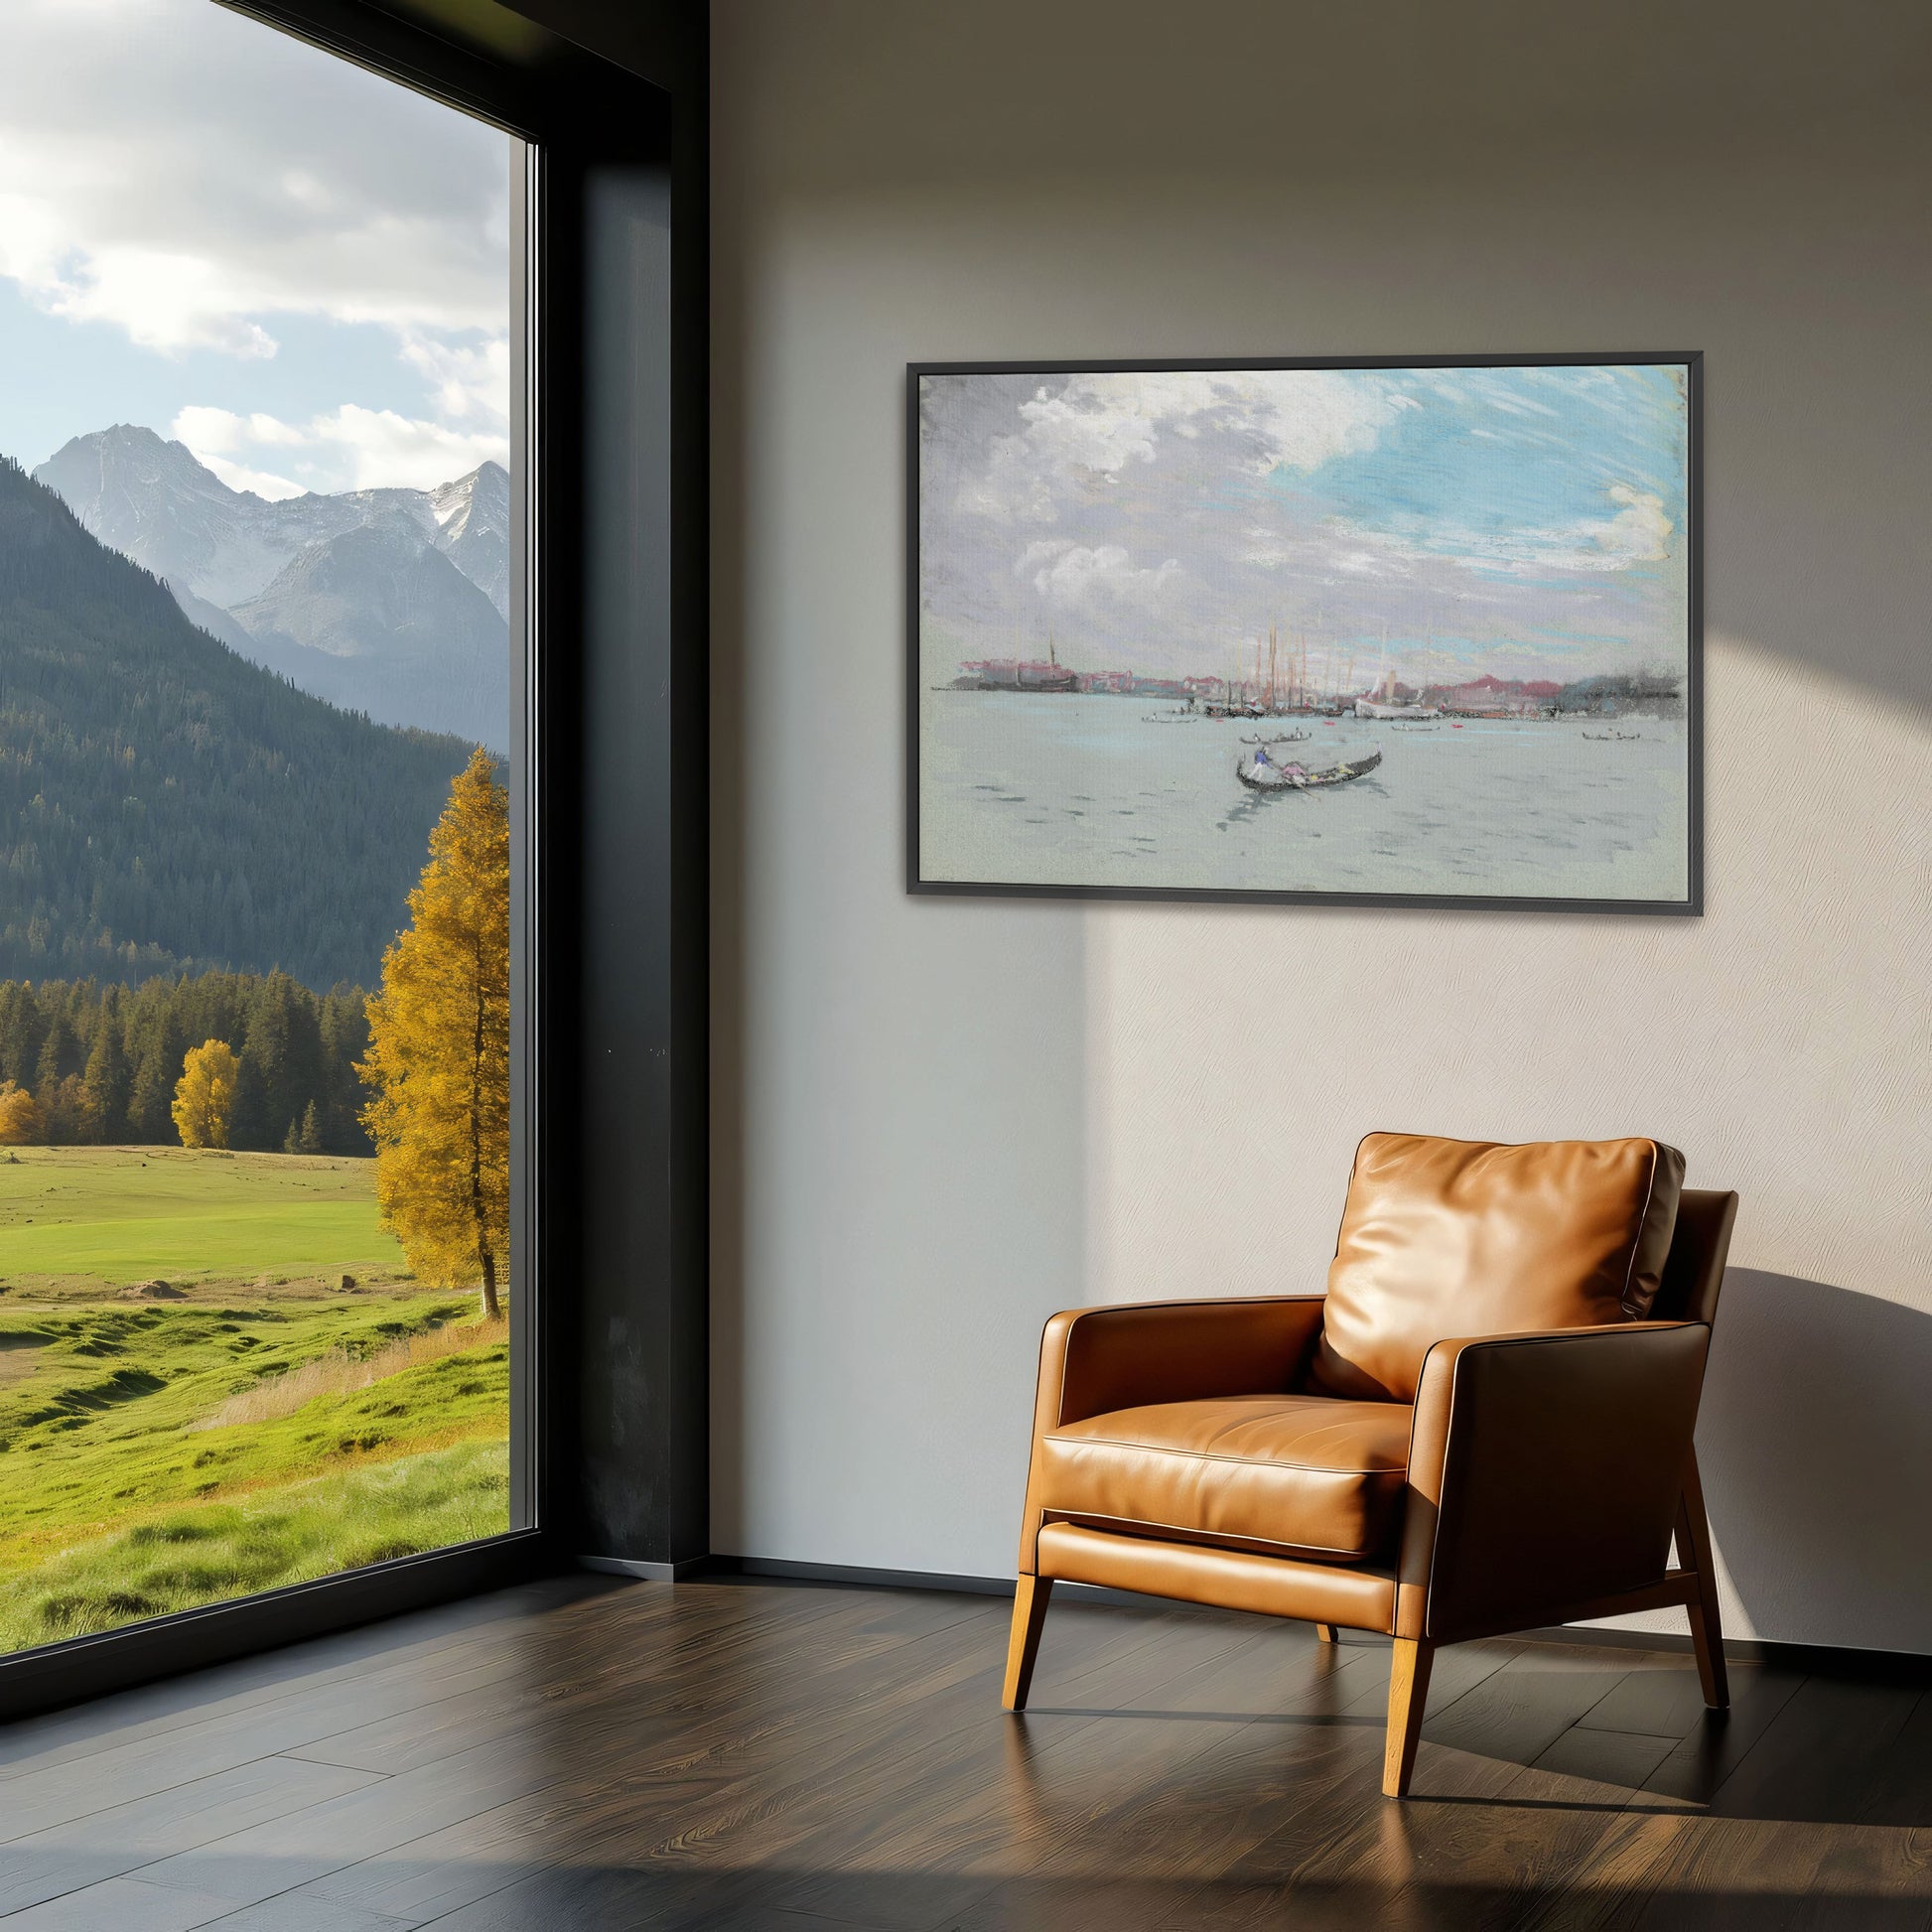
x: 468, y: 379
x: 1639, y: 533
x: 346, y: 447
x: 1078, y: 578
x: 223, y: 175
x: 201, y: 182
x: 386, y: 448
x: 1297, y: 418
x: 1088, y: 431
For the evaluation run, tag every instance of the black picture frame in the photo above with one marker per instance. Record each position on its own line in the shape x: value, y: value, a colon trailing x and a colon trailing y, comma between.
x: 1690, y: 906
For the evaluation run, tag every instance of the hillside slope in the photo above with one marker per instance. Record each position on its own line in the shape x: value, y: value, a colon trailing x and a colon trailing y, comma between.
x: 166, y: 805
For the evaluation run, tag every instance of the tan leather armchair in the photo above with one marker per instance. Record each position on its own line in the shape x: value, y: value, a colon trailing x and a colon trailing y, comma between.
x: 1483, y: 1425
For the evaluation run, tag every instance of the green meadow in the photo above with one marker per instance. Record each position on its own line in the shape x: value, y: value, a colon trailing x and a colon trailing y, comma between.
x: 289, y: 1403
x: 103, y: 1217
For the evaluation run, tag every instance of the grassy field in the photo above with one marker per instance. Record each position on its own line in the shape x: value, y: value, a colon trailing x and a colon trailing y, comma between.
x: 107, y: 1216
x: 261, y: 1426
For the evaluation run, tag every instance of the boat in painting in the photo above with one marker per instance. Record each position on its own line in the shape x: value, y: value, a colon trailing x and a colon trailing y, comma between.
x: 1262, y: 773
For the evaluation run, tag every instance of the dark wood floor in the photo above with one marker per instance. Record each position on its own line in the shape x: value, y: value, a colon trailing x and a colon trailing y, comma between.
x: 732, y: 1756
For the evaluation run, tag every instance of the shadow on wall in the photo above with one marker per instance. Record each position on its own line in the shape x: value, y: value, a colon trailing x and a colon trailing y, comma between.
x: 1816, y: 1441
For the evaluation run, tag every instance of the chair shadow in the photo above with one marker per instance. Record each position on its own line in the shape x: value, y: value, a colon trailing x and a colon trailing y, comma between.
x: 1815, y: 1439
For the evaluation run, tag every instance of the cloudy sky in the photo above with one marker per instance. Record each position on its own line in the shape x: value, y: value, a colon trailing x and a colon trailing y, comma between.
x: 1525, y: 521
x: 297, y: 269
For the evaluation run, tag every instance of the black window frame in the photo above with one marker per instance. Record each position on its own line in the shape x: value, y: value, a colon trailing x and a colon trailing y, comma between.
x: 610, y: 1042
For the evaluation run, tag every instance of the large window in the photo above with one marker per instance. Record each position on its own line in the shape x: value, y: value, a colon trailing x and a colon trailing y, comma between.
x: 260, y: 639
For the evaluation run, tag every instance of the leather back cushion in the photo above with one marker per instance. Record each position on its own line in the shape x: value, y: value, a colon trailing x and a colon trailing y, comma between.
x: 1450, y: 1238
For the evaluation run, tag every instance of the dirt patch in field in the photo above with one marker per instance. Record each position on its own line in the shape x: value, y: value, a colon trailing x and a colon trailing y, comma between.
x: 18, y: 1357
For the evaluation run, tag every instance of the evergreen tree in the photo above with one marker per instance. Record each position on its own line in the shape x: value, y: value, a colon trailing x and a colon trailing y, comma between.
x: 308, y: 1141
x: 22, y: 1030
x: 61, y: 1049
x: 438, y: 1064
x: 63, y: 1111
x: 150, y: 1116
x: 343, y: 1025
x: 248, y: 1119
x: 104, y: 1086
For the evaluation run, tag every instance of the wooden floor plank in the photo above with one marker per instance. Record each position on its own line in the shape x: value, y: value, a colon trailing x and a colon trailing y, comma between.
x: 489, y: 1853
x: 757, y: 1756
x: 651, y: 1746
x: 1818, y: 1758
x: 125, y: 1838
x: 31, y: 1746
x: 122, y: 1905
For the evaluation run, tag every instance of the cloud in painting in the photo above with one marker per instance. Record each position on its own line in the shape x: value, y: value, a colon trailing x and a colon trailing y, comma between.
x: 1083, y: 432
x: 1164, y: 520
x: 1071, y: 577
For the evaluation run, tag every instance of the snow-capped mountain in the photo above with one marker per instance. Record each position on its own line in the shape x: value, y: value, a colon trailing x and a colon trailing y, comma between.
x: 473, y: 520
x: 376, y: 619
x: 231, y: 560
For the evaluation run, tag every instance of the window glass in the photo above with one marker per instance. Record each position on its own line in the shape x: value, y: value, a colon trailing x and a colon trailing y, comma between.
x: 257, y: 753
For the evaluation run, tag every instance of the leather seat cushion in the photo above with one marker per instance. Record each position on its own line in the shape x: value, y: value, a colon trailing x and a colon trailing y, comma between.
x: 1443, y: 1239
x: 1291, y: 1473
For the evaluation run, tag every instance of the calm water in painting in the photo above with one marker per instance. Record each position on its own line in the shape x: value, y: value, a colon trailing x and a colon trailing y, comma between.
x: 1047, y: 789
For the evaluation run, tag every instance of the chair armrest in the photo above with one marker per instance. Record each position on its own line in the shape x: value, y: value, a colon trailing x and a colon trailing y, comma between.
x: 1544, y: 1471
x: 1093, y: 1361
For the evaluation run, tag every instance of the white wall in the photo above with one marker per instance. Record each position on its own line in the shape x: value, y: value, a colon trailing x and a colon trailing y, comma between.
x: 939, y: 1119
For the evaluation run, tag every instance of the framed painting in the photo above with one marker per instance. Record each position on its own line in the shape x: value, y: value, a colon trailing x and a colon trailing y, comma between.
x: 1405, y: 632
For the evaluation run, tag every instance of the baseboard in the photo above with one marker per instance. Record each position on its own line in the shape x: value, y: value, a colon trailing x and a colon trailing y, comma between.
x: 650, y: 1573
x: 1821, y: 1660
x: 1812, y: 1659
x: 142, y: 1653
x: 781, y: 1570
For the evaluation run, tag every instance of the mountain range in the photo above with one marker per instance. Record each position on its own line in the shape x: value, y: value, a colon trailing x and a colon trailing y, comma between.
x: 164, y: 805
x: 391, y: 601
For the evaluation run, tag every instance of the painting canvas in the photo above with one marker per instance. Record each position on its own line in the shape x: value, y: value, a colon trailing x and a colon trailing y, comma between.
x: 1422, y: 631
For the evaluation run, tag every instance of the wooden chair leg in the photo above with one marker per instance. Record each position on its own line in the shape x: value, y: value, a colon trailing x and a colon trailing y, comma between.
x: 1407, y: 1694
x: 1023, y: 1644
x: 1325, y: 1633
x: 1693, y: 1552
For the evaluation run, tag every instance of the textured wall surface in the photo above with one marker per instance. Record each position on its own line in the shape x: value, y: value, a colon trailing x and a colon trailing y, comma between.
x: 938, y: 1121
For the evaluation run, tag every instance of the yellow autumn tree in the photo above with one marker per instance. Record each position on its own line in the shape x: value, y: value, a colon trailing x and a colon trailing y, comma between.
x: 205, y: 1094
x: 439, y: 1059
x: 20, y: 1116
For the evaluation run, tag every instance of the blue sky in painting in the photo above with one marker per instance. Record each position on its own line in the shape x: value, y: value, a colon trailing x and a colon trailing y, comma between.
x: 1530, y: 521
x: 1496, y: 452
